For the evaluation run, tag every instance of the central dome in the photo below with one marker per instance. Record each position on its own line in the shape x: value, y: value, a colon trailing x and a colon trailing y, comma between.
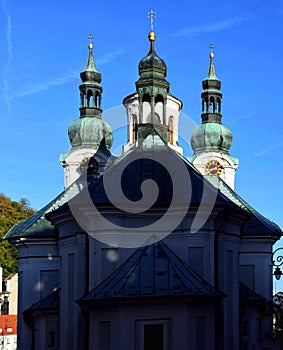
x: 152, y: 61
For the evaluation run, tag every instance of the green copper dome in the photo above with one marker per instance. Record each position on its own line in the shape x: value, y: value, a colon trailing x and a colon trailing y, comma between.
x: 211, y: 137
x: 89, y: 132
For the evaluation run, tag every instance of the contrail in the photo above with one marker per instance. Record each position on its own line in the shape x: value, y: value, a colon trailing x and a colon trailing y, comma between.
x: 9, y: 57
x: 209, y: 28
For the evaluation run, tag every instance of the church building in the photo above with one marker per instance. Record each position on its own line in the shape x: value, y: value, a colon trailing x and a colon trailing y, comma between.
x: 149, y: 250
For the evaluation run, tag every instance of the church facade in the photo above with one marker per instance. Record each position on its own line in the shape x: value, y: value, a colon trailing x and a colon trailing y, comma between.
x: 149, y: 250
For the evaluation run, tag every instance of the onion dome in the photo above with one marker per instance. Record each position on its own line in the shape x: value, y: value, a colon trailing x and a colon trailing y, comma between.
x: 88, y: 132
x: 152, y: 61
x: 211, y: 137
x: 152, y: 70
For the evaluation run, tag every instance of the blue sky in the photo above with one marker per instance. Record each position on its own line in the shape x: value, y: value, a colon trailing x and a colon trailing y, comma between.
x: 44, y: 47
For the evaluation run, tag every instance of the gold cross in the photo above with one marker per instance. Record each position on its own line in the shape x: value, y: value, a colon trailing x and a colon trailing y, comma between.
x: 151, y: 16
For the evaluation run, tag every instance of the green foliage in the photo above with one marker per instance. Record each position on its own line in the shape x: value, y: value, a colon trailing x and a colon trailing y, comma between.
x: 11, y: 213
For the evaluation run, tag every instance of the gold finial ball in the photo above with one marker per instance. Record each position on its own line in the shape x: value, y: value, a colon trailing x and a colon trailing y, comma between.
x: 90, y: 46
x: 211, y: 55
x: 151, y: 36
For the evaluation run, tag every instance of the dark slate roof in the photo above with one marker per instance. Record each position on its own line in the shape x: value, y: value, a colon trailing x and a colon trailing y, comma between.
x: 37, y: 225
x: 257, y: 223
x: 50, y: 302
x: 248, y: 295
x: 140, y: 169
x: 152, y: 271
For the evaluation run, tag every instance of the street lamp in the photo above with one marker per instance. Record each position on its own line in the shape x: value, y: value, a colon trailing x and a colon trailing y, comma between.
x: 277, y: 260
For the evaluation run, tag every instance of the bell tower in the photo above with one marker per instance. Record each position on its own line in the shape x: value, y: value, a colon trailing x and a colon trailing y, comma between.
x: 89, y: 133
x: 90, y: 89
x: 211, y: 140
x: 152, y: 106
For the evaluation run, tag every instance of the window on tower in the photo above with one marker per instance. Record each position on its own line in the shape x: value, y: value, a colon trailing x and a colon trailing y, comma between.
x: 134, y: 127
x: 156, y: 119
x: 171, y: 130
x: 90, y: 100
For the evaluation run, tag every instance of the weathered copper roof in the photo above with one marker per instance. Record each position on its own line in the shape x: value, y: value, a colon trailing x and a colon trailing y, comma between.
x: 257, y: 224
x: 152, y: 271
x: 37, y: 225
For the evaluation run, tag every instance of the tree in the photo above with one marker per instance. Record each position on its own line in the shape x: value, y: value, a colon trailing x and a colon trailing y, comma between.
x: 11, y: 213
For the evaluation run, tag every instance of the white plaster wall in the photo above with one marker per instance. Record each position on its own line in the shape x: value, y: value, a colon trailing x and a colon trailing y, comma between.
x: 173, y: 107
x: 229, y: 167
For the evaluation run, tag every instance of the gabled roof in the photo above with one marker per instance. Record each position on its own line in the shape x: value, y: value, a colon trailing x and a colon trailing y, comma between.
x: 139, y: 169
x: 50, y: 302
x: 152, y: 271
x: 10, y: 277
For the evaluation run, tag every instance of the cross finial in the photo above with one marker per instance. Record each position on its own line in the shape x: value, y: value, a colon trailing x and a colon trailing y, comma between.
x: 211, y: 48
x: 90, y: 37
x: 151, y: 16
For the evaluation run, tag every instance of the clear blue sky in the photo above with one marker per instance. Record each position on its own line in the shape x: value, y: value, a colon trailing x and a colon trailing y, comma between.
x: 44, y: 47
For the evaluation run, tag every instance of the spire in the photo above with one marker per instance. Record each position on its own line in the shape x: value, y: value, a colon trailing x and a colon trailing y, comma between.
x: 152, y: 86
x: 211, y: 135
x: 211, y: 70
x: 90, y: 89
x: 147, y: 108
x: 211, y: 140
x: 211, y: 95
x: 90, y: 67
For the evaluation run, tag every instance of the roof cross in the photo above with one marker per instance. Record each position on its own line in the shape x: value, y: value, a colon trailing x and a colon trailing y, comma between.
x: 151, y: 16
x: 211, y: 48
x: 90, y: 37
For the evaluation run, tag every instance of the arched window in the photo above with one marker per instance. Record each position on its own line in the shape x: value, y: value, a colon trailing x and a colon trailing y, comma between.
x: 218, y: 105
x: 206, y: 105
x: 97, y: 100
x: 171, y: 130
x: 146, y: 110
x: 89, y: 99
x: 159, y: 98
x: 212, y: 105
x: 146, y: 98
x: 134, y: 127
x: 156, y: 119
